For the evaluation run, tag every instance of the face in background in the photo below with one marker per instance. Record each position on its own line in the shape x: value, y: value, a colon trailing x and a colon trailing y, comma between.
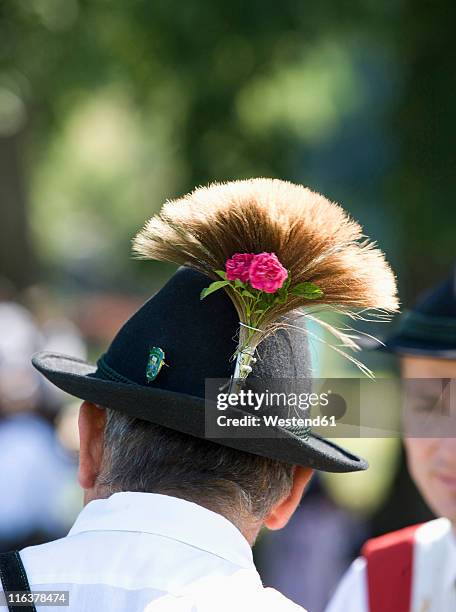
x: 432, y: 460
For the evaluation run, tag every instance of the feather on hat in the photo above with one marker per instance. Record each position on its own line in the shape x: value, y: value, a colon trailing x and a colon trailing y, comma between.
x: 328, y: 259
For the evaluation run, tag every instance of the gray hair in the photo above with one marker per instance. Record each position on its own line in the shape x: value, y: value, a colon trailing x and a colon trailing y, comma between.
x: 142, y: 456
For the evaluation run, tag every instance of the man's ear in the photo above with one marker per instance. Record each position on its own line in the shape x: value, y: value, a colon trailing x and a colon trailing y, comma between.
x: 92, y: 420
x: 283, y: 510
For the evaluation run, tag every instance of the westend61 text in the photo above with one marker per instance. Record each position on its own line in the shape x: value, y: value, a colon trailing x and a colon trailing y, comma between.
x: 276, y: 421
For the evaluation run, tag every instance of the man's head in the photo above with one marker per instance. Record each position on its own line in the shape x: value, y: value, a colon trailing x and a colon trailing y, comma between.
x: 121, y: 453
x: 431, y: 455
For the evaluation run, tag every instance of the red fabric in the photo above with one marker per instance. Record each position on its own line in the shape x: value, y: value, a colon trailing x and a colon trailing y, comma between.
x: 389, y: 570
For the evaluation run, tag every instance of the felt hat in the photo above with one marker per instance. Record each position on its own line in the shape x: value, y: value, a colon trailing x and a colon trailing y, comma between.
x: 429, y: 328
x: 256, y: 251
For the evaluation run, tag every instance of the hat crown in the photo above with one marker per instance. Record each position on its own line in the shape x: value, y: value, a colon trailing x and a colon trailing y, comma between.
x: 198, y: 338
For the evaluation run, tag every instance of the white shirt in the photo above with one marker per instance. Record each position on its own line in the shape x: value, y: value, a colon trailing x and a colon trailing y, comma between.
x: 151, y: 553
x: 433, y: 574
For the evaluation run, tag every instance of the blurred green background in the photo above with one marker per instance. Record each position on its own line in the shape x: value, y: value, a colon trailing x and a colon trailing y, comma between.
x: 107, y: 108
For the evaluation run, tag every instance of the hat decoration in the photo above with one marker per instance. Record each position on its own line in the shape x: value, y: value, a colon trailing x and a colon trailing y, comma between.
x: 155, y: 363
x: 277, y: 249
x: 261, y: 282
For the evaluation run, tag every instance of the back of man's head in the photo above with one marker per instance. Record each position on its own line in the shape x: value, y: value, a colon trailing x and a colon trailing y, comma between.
x: 142, y: 456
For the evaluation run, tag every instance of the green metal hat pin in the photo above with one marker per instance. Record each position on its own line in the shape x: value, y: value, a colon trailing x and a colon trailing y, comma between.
x: 155, y: 362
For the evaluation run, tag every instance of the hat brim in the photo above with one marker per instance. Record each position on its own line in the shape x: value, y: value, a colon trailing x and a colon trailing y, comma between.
x: 185, y: 413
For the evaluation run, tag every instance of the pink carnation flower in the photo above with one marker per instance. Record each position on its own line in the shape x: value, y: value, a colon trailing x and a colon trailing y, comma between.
x: 238, y: 266
x: 267, y: 273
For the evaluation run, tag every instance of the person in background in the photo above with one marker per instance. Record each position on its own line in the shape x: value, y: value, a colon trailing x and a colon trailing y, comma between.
x: 414, y: 569
x: 37, y: 473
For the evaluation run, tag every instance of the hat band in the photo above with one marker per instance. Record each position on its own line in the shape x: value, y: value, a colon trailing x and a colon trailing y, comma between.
x: 110, y: 374
x: 425, y: 327
x: 107, y: 372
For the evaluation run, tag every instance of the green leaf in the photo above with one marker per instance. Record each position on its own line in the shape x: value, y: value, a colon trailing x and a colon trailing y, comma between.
x: 281, y: 296
x: 310, y: 291
x: 221, y: 273
x: 238, y: 283
x: 247, y: 293
x: 213, y: 287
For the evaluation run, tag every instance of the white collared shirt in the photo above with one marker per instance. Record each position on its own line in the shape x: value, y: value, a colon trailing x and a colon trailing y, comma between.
x: 151, y: 553
x: 434, y: 574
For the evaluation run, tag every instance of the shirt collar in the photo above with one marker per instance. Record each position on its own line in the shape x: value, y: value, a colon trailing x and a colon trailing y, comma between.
x: 166, y: 516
